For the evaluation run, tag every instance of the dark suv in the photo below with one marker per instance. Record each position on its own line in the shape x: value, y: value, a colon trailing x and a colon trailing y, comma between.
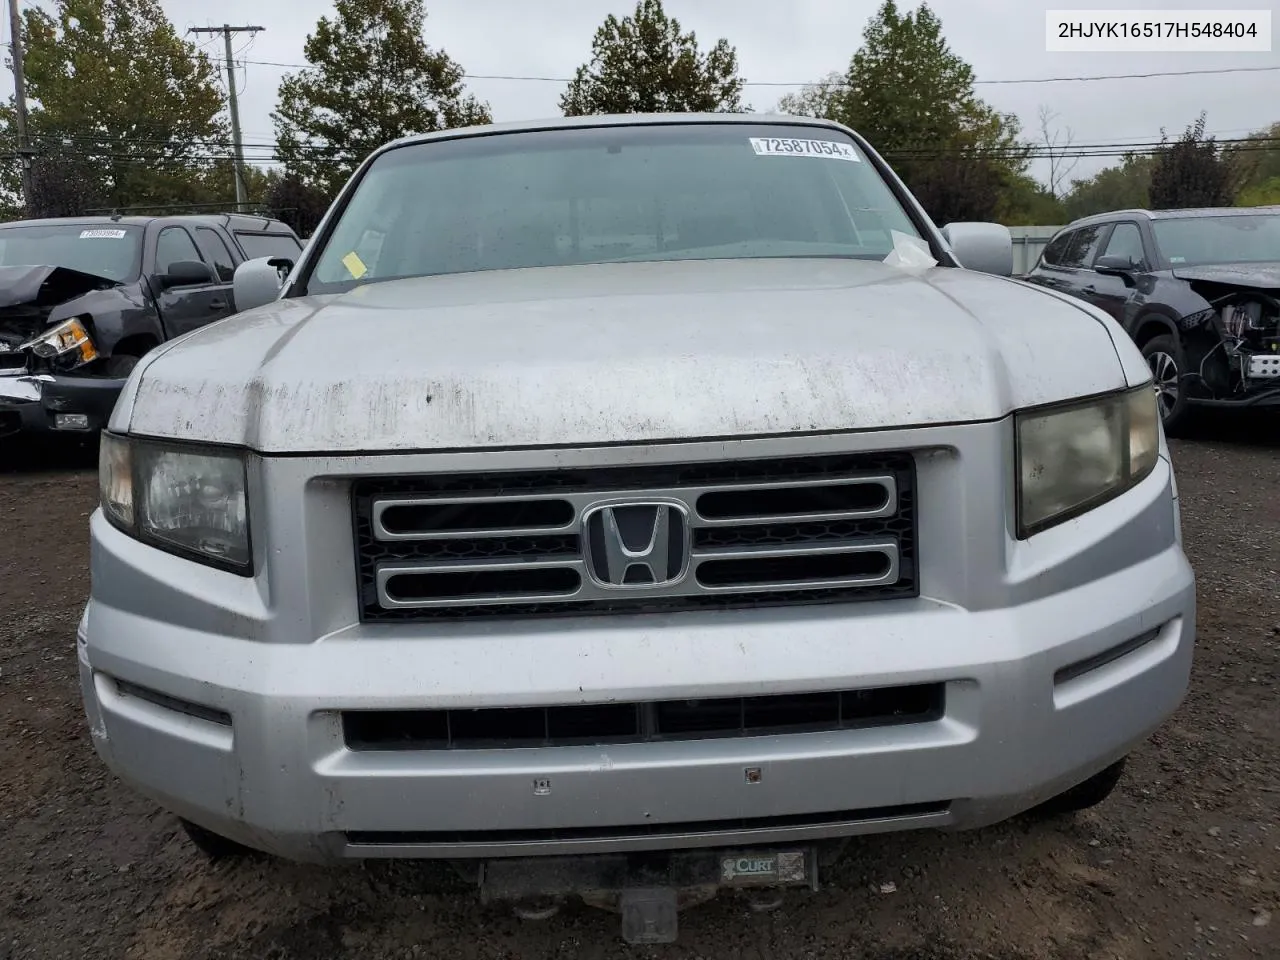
x: 82, y: 299
x: 1198, y: 290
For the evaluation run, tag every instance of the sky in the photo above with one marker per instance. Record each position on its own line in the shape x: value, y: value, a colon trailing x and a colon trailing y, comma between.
x: 783, y: 43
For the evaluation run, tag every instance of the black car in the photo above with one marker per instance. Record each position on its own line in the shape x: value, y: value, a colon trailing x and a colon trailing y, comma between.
x: 1197, y: 290
x: 83, y: 299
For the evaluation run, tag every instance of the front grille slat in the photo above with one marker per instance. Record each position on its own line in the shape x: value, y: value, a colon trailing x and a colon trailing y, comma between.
x: 737, y: 533
x: 617, y: 723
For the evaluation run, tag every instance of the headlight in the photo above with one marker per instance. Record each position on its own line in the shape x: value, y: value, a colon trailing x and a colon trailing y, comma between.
x: 68, y: 337
x: 1073, y: 458
x: 189, y: 501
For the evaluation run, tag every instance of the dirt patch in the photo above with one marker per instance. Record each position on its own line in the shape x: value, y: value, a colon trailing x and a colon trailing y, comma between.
x: 1183, y: 861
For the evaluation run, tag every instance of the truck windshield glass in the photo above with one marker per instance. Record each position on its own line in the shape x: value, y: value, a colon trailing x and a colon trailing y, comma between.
x: 645, y: 192
x: 109, y: 250
x: 1194, y: 241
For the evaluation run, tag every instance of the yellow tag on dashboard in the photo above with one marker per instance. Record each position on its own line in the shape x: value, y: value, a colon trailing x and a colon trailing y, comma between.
x: 355, y: 266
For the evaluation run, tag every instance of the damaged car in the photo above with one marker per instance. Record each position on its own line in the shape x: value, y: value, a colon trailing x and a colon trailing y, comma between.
x: 630, y: 509
x: 82, y: 300
x: 1198, y: 290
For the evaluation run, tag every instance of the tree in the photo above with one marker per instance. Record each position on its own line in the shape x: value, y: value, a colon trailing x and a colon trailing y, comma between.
x: 299, y: 204
x: 961, y: 186
x: 644, y: 64
x: 1256, y: 163
x: 1060, y: 166
x: 1024, y: 202
x: 1126, y: 186
x: 63, y: 184
x: 117, y: 94
x: 371, y: 80
x: 819, y: 99
x: 220, y: 185
x: 1264, y: 194
x: 1190, y: 172
x: 913, y: 100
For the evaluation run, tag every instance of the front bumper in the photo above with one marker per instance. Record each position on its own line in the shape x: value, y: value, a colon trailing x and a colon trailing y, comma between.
x: 245, y: 738
x: 54, y: 404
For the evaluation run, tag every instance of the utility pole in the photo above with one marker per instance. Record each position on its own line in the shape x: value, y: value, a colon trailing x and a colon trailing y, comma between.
x: 227, y: 30
x: 20, y: 102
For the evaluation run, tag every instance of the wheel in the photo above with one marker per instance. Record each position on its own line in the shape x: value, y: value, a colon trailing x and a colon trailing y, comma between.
x: 1164, y: 356
x: 121, y: 365
x: 213, y: 845
x: 1084, y: 795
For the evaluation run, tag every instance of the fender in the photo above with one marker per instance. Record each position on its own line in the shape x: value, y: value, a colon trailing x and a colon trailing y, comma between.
x: 113, y: 315
x: 1153, y: 321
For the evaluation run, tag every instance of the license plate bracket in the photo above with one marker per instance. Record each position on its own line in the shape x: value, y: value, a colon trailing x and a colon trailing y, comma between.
x: 771, y: 868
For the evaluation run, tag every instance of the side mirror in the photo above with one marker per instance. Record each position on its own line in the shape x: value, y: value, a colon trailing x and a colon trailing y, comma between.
x: 1114, y: 265
x: 1121, y: 267
x: 187, y: 273
x: 985, y: 247
x: 258, y: 281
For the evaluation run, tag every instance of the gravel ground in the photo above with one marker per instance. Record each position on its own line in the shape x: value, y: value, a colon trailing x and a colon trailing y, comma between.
x: 1182, y: 861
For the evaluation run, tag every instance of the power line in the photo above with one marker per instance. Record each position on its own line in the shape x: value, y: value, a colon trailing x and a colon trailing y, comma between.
x: 227, y: 30
x: 842, y: 83
x: 347, y: 158
x: 1032, y: 147
x: 536, y: 78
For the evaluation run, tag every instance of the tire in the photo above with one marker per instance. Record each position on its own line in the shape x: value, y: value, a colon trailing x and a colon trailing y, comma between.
x: 1168, y: 366
x: 1084, y: 795
x: 121, y: 366
x: 213, y: 845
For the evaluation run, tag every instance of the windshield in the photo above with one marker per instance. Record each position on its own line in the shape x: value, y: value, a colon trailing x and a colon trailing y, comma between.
x: 1247, y: 238
x: 110, y: 251
x: 596, y: 195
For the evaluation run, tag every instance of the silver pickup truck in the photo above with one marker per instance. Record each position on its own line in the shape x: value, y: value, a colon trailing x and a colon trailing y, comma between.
x: 630, y: 508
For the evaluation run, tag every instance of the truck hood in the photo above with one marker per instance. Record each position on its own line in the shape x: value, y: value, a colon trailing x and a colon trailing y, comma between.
x: 28, y: 295
x: 610, y: 353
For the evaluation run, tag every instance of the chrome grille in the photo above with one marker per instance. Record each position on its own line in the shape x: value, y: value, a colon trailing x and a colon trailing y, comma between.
x: 725, y: 534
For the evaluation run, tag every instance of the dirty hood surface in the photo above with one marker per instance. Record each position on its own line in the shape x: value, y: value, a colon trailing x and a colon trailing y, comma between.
x: 622, y: 352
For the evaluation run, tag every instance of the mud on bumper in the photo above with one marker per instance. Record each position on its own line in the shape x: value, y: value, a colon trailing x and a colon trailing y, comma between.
x: 51, y: 404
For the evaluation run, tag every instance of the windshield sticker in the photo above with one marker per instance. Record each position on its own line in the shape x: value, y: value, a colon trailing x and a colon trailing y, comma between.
x: 833, y: 149
x: 103, y: 234
x: 355, y: 266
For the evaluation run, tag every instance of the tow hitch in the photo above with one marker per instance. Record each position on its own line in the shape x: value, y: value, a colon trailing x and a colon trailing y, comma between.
x: 648, y: 890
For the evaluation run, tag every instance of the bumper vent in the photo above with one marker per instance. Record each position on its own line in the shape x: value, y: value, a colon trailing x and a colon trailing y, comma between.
x: 835, y: 823
x: 636, y: 539
x: 615, y: 723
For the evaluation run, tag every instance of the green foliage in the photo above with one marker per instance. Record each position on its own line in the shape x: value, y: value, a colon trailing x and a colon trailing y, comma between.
x: 1123, y: 187
x: 1256, y: 165
x: 300, y: 205
x: 912, y: 98
x: 819, y: 99
x: 1264, y: 194
x: 372, y: 79
x: 219, y: 185
x: 644, y: 64
x: 1191, y: 172
x: 1024, y: 202
x: 117, y: 94
x: 63, y: 184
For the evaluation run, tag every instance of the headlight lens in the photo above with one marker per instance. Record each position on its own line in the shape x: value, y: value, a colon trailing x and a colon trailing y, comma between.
x: 1073, y: 458
x: 188, y: 501
x: 68, y: 337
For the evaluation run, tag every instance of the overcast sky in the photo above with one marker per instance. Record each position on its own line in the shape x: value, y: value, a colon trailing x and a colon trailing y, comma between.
x: 789, y: 41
